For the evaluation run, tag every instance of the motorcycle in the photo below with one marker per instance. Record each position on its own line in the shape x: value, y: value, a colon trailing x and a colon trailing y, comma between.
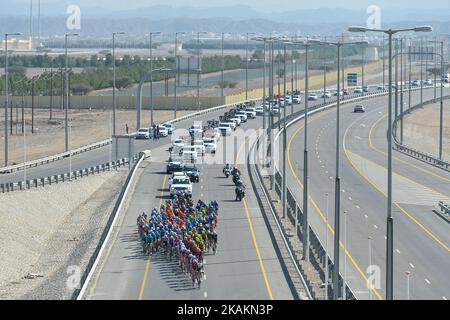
x: 237, y: 180
x: 240, y: 193
x: 226, y: 172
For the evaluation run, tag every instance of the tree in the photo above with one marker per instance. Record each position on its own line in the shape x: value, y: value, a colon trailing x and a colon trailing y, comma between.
x: 80, y: 89
x: 124, y: 82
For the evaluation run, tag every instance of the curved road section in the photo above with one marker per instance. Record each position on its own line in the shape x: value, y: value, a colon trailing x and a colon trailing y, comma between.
x: 421, y: 238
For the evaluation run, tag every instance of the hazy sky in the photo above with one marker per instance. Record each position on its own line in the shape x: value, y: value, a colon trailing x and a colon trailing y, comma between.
x: 260, y: 5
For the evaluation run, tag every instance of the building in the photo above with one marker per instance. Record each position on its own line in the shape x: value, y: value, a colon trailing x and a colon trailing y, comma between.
x: 17, y: 44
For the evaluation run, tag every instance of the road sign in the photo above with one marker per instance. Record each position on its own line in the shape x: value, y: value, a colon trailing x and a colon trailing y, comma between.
x: 352, y: 79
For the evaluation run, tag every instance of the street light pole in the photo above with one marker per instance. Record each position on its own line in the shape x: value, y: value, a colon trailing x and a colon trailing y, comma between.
x: 246, y: 67
x: 67, y: 91
x: 7, y: 93
x: 389, y: 218
x: 151, y: 76
x: 223, y: 67
x: 441, y: 111
x: 284, y: 137
x: 176, y: 74
x: 114, y: 80
x: 337, y: 194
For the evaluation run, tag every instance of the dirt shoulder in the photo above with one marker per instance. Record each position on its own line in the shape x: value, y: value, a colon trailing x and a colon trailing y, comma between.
x: 421, y: 130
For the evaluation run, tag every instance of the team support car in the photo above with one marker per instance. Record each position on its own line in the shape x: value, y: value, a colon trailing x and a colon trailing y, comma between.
x: 174, y: 166
x: 143, y: 133
x: 181, y: 185
x: 191, y: 171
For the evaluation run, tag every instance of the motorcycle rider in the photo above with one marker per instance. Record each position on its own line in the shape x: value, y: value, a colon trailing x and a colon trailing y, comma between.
x: 240, y: 191
x: 227, y: 169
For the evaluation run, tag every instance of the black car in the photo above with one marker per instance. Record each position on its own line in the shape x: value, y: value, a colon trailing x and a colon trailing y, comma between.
x: 192, y: 172
x: 174, y: 166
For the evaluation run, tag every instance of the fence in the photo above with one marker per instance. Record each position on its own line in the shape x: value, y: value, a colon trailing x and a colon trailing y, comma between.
x: 55, y: 179
x: 417, y: 154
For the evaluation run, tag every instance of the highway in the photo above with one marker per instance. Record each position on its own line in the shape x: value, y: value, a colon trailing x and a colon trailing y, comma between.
x: 422, y: 240
x: 245, y: 266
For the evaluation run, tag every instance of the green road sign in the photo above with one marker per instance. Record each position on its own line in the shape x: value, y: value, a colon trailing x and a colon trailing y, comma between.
x: 352, y: 79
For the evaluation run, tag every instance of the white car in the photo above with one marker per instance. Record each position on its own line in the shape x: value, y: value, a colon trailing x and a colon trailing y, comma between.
x: 181, y: 185
x: 296, y: 98
x: 225, y: 130
x: 175, y: 175
x: 236, y: 120
x: 275, y: 110
x: 288, y: 100
x: 210, y: 145
x: 335, y: 93
x: 259, y: 110
x: 200, y: 146
x: 251, y: 113
x: 163, y: 132
x: 170, y: 128
x: 232, y: 125
x: 358, y: 90
x: 326, y: 95
x: 178, y: 143
x: 313, y: 97
x: 143, y: 133
x: 189, y: 156
x: 242, y: 115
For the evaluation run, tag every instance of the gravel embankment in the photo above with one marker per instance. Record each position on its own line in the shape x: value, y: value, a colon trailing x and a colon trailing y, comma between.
x: 46, y: 231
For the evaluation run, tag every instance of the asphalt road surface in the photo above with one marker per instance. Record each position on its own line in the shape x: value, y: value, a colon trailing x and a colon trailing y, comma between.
x: 421, y: 238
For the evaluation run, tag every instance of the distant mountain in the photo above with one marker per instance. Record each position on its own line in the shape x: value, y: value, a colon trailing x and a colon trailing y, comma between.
x: 99, y: 21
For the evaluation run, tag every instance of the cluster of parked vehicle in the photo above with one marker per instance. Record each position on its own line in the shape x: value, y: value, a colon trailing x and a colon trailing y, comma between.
x: 233, y: 118
x: 155, y: 131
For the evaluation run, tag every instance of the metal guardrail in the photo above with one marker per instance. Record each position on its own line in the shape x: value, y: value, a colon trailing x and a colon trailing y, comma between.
x: 317, y: 249
x: 445, y: 209
x: 38, y: 162
x: 55, y: 179
x: 291, y: 251
x: 412, y: 152
x: 93, y: 261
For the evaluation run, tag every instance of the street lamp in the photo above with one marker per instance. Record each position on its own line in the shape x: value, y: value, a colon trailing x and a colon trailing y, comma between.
x: 246, y: 65
x: 306, y: 44
x: 114, y: 79
x: 176, y: 72
x: 151, y: 74
x: 337, y: 193
x: 390, y: 220
x: 441, y: 113
x: 198, y: 68
x: 7, y: 93
x: 66, y: 107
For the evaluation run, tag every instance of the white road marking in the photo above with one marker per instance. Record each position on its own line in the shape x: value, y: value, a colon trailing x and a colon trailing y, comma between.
x: 359, y: 138
x: 427, y: 281
x: 343, y: 190
x: 398, y: 251
x: 411, y: 265
x: 375, y: 226
x: 444, y: 298
x: 204, y: 277
x: 350, y: 198
x: 385, y: 238
x: 358, y: 207
x: 366, y: 216
x: 206, y: 294
x: 363, y: 125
